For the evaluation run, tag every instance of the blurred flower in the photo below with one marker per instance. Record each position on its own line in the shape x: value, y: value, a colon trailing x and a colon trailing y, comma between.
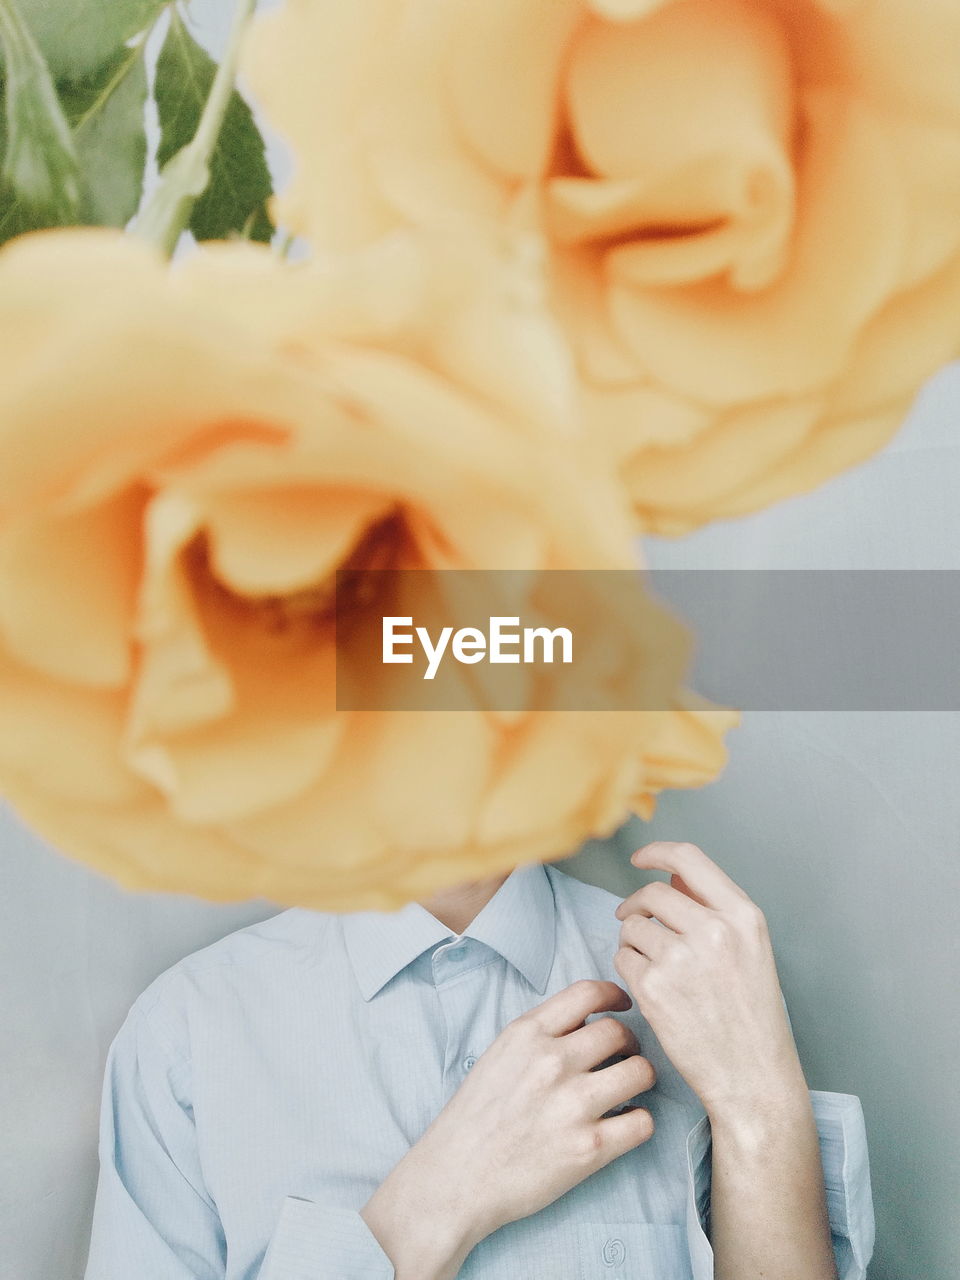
x: 752, y: 206
x: 187, y: 457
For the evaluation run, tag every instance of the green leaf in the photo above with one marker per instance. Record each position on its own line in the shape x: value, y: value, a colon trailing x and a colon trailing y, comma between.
x: 40, y: 180
x: 236, y: 195
x: 78, y: 36
x: 106, y: 113
x: 15, y: 217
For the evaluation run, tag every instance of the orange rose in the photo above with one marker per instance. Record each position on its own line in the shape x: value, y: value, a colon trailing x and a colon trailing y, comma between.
x: 187, y: 456
x: 752, y: 206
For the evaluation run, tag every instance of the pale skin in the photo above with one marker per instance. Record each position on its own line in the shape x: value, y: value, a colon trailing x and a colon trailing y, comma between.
x: 529, y: 1121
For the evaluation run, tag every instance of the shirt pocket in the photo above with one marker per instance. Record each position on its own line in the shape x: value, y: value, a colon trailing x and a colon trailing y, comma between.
x: 633, y: 1251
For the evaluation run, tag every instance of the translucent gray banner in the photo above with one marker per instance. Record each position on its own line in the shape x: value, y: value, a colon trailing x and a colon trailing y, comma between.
x: 513, y: 641
x: 822, y: 640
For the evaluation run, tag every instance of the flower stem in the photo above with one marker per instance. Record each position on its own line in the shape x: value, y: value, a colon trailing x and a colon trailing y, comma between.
x: 184, y: 178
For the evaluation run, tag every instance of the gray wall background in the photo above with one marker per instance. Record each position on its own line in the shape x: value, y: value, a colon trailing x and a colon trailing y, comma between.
x: 844, y: 827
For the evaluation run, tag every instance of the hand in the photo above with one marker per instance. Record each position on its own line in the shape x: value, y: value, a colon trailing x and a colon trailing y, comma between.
x: 527, y: 1124
x: 696, y: 955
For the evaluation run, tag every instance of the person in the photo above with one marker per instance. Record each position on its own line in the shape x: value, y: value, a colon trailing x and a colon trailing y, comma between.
x: 521, y: 1077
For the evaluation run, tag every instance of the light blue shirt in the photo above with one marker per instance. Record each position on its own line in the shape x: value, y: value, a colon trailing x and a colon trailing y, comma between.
x: 261, y: 1089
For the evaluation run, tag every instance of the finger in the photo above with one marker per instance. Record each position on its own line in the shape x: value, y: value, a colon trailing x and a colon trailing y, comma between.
x: 679, y: 883
x: 614, y: 1085
x: 631, y: 966
x: 669, y: 905
x: 569, y: 1008
x: 646, y: 936
x: 620, y: 1134
x: 599, y: 1040
x: 702, y: 875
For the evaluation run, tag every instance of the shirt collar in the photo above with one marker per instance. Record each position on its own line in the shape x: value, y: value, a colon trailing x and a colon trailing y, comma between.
x: 519, y: 923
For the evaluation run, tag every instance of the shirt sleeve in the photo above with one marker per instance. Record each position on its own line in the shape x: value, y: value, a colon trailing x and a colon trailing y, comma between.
x: 846, y: 1172
x: 154, y: 1217
x: 316, y: 1242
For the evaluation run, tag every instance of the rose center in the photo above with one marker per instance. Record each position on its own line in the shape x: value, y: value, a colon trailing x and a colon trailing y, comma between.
x: 385, y: 545
x: 676, y: 144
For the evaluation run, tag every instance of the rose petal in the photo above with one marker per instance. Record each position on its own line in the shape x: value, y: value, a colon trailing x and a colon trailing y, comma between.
x: 903, y: 53
x: 329, y: 197
x: 451, y: 754
x: 626, y: 10
x: 551, y: 764
x: 417, y: 158
x: 641, y: 100
x: 692, y: 480
x: 580, y: 296
x: 186, y: 375
x: 903, y: 346
x: 330, y: 826
x: 687, y: 747
x: 707, y: 140
x: 284, y: 540
x: 517, y: 45
x: 234, y: 704
x: 721, y: 347
x: 906, y: 343
x: 637, y: 418
x: 67, y: 591
x: 180, y: 683
x: 269, y: 750
x: 831, y: 445
x: 928, y: 161
x: 142, y: 845
x: 473, y: 485
x: 67, y: 737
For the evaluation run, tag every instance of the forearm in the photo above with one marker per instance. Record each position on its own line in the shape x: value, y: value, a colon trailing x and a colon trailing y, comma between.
x: 423, y: 1236
x: 768, y: 1215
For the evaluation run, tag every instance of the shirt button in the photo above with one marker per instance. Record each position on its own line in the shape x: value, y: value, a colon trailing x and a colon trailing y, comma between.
x: 613, y: 1252
x: 469, y: 1061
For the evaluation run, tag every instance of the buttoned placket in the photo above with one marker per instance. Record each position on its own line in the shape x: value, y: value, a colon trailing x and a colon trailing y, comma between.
x: 458, y: 971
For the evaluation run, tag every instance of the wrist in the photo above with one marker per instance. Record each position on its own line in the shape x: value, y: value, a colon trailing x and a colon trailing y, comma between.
x: 752, y: 1117
x: 423, y: 1232
x: 774, y: 1085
